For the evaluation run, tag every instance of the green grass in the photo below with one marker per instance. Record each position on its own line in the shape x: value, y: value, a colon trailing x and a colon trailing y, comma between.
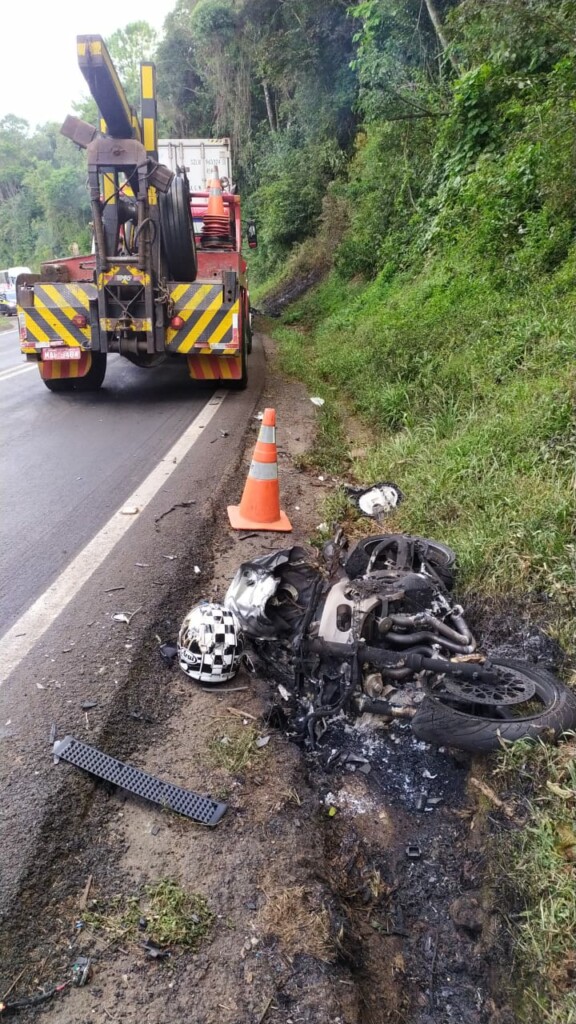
x: 468, y: 391
x: 235, y: 750
x: 175, y: 918
x: 537, y: 871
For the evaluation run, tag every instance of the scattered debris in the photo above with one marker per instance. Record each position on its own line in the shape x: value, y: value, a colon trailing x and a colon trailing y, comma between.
x: 112, y: 590
x: 81, y: 971
x: 192, y: 805
x: 130, y: 510
x: 413, y: 851
x: 244, y: 714
x: 377, y: 500
x: 28, y: 1001
x: 262, y: 741
x: 317, y: 401
x: 155, y: 952
x: 179, y: 504
x: 168, y: 653
x: 171, y: 558
x: 85, y: 894
x: 87, y: 705
x: 126, y: 616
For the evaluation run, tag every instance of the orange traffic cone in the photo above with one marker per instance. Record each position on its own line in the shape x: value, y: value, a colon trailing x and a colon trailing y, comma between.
x: 259, y: 508
x: 215, y: 201
x: 216, y: 228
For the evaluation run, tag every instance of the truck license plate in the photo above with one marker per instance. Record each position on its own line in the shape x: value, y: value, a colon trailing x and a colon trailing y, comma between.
x: 61, y: 353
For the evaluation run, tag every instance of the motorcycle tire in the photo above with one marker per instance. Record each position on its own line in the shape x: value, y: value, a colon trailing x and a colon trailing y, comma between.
x: 441, y: 558
x: 484, y: 728
x: 178, y: 231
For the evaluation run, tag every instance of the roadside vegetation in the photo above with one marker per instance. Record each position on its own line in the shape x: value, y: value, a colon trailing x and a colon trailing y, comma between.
x: 410, y: 165
x: 163, y: 914
x: 446, y: 325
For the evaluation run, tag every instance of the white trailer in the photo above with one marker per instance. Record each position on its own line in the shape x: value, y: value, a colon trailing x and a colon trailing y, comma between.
x: 198, y: 157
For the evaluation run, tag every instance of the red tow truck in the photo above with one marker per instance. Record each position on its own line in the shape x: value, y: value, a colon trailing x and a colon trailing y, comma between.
x: 166, y: 279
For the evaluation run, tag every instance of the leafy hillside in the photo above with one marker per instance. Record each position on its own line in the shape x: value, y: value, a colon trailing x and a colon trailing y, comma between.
x: 448, y: 321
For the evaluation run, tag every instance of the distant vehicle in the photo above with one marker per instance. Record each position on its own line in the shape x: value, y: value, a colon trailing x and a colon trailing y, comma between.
x: 8, y: 289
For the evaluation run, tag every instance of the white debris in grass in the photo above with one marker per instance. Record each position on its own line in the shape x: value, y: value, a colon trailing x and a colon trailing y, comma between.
x: 378, y: 500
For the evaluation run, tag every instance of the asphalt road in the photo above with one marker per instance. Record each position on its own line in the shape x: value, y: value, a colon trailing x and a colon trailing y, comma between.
x: 68, y: 465
x: 68, y: 461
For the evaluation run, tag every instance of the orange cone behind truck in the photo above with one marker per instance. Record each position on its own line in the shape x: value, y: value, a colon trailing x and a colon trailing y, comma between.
x: 259, y: 508
x: 216, y: 227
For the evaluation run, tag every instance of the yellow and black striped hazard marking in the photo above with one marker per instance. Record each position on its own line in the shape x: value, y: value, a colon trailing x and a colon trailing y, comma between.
x: 123, y: 275
x: 208, y: 322
x: 55, y: 306
x: 137, y: 324
x: 148, y: 108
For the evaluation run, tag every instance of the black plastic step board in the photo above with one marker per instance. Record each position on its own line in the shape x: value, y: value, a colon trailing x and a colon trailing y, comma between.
x: 199, y: 808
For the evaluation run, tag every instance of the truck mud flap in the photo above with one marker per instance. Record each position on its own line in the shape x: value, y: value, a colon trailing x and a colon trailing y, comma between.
x: 199, y: 808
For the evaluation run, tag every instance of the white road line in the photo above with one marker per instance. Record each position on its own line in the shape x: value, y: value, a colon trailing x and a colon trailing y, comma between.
x: 14, y: 646
x: 14, y: 371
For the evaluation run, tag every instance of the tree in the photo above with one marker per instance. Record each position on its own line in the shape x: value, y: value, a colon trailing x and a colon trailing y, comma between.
x: 400, y: 57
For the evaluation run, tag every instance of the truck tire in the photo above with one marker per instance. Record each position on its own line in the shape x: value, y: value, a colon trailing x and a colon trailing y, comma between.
x: 91, y: 381
x: 178, y: 231
x: 245, y: 303
x: 483, y: 728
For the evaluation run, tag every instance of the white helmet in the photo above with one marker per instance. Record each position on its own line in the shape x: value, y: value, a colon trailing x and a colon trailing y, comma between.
x: 210, y: 643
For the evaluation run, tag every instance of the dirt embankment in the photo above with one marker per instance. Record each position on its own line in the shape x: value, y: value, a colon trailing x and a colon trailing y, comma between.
x: 341, y: 896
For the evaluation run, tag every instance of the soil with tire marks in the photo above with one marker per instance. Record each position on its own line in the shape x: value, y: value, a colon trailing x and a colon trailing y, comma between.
x: 355, y: 895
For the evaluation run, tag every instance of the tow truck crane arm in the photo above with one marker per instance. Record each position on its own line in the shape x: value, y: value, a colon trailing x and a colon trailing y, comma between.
x: 105, y: 86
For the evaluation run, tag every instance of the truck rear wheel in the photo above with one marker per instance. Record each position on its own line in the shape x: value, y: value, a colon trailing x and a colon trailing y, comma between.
x: 178, y: 231
x: 247, y: 325
x: 91, y: 381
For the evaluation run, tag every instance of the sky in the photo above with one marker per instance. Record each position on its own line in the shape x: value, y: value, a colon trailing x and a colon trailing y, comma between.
x: 39, y: 74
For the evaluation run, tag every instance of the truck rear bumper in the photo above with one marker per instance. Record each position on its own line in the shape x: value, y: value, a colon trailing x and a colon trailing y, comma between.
x: 60, y: 314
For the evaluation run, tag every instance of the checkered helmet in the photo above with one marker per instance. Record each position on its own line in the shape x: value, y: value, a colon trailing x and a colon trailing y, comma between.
x: 210, y: 644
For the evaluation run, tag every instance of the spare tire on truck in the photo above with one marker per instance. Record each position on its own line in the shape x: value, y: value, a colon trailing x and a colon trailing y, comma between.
x: 177, y: 230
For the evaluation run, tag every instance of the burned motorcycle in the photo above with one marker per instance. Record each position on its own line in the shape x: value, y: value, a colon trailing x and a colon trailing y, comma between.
x: 387, y: 622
